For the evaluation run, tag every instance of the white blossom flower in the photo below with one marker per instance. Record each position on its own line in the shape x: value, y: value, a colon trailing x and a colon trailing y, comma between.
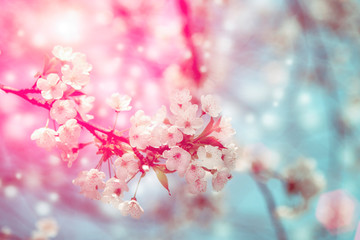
x: 160, y: 115
x: 180, y: 96
x: 303, y: 178
x: 198, y: 186
x: 51, y: 87
x: 194, y: 172
x: 224, y: 131
x: 220, y: 178
x: 114, y: 191
x: 68, y: 152
x: 171, y: 136
x: 231, y: 154
x: 177, y: 159
x: 139, y: 137
x: 210, y: 105
x: 119, y: 102
x: 90, y: 182
x: 337, y: 211
x: 63, y: 110
x: 62, y: 53
x: 45, y: 137
x: 180, y: 100
x: 188, y: 122
x: 156, y: 134
x: 46, y: 227
x: 140, y: 119
x: 80, y: 63
x: 126, y: 166
x: 69, y: 132
x: 131, y: 208
x: 84, y: 105
x: 210, y: 157
x: 74, y: 77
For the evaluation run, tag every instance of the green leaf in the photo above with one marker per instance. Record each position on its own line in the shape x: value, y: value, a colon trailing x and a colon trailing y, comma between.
x: 162, y: 178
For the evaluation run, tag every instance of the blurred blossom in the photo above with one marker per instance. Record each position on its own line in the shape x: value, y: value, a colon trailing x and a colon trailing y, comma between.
x: 337, y: 211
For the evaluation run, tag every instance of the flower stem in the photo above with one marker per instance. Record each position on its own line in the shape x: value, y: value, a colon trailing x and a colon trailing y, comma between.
x: 116, y: 118
x: 137, y: 187
x: 271, y: 206
x: 109, y: 167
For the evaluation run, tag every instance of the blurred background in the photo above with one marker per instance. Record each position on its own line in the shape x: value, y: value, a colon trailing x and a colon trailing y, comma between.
x: 287, y: 72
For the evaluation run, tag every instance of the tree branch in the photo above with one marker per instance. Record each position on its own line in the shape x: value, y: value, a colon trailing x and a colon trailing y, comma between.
x: 271, y: 206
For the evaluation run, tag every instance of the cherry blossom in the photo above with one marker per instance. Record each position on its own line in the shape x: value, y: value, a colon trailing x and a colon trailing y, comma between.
x: 177, y: 159
x: 45, y: 137
x: 302, y: 178
x: 47, y: 227
x: 198, y: 186
x: 62, y: 53
x: 114, y: 191
x: 140, y: 119
x: 156, y: 134
x: 231, y: 154
x: 179, y: 101
x: 131, y: 208
x: 80, y: 63
x: 68, y: 152
x: 171, y: 136
x: 210, y: 157
x: 182, y: 140
x: 188, y: 122
x: 51, y: 87
x: 160, y: 115
x: 84, y: 106
x: 63, y: 110
x: 90, y: 182
x: 336, y: 211
x: 74, y: 77
x: 69, y: 132
x: 220, y: 178
x: 139, y: 137
x: 126, y: 166
x: 119, y: 102
x: 180, y: 96
x: 210, y: 105
x: 224, y: 131
x: 194, y: 173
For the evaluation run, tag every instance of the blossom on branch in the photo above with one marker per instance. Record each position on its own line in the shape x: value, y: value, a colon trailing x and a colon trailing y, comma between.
x: 119, y: 102
x: 126, y: 166
x: 177, y: 159
x: 51, y: 87
x: 190, y: 139
x: 70, y: 132
x: 63, y: 110
x: 74, y: 77
x: 45, y: 137
x: 62, y: 53
x: 131, y: 208
x: 114, y: 191
x: 210, y: 105
x: 91, y: 182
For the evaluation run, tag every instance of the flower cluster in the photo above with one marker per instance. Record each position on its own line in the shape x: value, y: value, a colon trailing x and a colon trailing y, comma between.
x: 191, y: 139
x: 301, y: 179
x: 60, y: 90
x: 187, y: 140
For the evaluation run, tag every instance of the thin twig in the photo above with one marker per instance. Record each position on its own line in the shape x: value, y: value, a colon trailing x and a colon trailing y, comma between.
x: 271, y: 206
